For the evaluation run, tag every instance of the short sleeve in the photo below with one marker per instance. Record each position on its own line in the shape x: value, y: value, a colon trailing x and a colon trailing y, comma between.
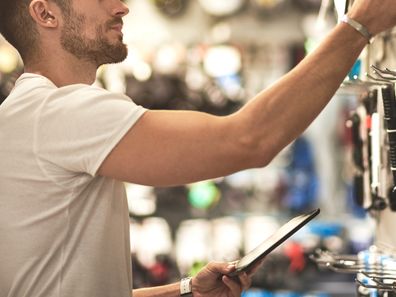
x: 78, y: 126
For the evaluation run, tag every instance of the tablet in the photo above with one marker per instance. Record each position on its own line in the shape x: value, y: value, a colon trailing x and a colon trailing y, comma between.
x: 268, y: 245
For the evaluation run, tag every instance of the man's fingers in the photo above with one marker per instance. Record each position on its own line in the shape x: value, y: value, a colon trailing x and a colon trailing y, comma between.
x: 245, y: 280
x: 235, y: 287
x: 221, y: 268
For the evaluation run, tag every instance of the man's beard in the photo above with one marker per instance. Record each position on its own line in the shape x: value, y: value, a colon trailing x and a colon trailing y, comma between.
x: 99, y: 50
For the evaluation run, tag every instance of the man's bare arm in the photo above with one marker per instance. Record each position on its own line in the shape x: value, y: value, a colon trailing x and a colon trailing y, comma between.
x: 177, y: 147
x: 211, y: 281
x: 171, y: 290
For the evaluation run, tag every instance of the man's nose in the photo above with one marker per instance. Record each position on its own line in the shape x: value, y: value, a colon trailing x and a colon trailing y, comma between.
x: 121, y: 9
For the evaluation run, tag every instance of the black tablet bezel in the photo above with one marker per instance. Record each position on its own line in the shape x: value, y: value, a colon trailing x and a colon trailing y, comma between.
x: 266, y: 247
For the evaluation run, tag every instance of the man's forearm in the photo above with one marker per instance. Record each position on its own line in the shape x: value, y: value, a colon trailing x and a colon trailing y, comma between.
x: 280, y: 113
x: 172, y: 290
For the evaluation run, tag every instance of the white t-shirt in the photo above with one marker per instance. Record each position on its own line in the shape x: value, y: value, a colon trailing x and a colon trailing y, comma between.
x: 64, y: 232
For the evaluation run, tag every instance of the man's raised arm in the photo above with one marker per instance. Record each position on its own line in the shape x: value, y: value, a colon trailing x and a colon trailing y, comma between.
x: 167, y: 148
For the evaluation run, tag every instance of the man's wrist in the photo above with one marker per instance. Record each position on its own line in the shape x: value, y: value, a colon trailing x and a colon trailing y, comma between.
x: 358, y: 27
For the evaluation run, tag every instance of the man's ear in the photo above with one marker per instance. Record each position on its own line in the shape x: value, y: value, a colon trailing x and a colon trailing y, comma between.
x: 42, y: 14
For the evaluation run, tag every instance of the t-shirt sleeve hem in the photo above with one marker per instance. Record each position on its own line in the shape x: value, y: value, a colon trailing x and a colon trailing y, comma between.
x: 112, y: 142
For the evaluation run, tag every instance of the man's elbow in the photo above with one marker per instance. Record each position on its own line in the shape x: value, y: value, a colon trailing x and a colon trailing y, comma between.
x: 259, y: 153
x: 256, y: 147
x: 263, y: 157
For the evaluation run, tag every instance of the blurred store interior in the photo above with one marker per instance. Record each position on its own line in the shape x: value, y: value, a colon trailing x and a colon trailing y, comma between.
x: 199, y: 55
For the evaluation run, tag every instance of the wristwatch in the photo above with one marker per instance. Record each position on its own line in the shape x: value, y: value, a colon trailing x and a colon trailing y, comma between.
x: 186, y: 287
x: 358, y: 27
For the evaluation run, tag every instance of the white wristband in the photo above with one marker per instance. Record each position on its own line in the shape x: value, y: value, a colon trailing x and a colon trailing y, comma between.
x: 186, y: 286
x: 358, y: 27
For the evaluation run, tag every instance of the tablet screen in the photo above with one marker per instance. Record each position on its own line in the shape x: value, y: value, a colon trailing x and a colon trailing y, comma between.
x: 275, y: 240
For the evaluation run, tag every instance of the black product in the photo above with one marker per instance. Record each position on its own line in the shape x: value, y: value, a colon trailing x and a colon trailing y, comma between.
x: 248, y: 261
x: 389, y: 100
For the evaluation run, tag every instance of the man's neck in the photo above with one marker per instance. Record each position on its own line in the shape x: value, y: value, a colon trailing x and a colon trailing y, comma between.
x: 64, y: 72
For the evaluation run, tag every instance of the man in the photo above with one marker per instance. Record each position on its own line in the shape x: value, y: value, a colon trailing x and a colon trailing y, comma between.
x: 66, y: 145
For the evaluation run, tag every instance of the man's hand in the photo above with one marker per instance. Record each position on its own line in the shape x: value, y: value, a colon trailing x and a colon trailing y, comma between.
x: 377, y: 16
x: 212, y: 281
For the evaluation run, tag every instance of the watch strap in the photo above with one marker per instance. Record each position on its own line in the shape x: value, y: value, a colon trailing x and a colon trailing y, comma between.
x: 186, y: 287
x: 358, y: 27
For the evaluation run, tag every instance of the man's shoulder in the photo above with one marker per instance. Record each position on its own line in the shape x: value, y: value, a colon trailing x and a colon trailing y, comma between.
x: 74, y: 98
x: 32, y: 81
x: 85, y: 92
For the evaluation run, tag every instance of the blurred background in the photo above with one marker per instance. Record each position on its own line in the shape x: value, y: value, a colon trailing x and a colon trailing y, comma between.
x: 214, y: 56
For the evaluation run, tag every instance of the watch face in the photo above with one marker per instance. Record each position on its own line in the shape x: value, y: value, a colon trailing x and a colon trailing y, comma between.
x: 221, y: 7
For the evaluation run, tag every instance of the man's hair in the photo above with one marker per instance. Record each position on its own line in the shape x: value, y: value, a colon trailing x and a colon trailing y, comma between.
x: 18, y: 27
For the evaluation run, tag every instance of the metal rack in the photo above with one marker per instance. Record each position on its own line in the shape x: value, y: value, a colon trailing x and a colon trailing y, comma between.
x: 373, y: 129
x: 375, y: 184
x: 375, y: 270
